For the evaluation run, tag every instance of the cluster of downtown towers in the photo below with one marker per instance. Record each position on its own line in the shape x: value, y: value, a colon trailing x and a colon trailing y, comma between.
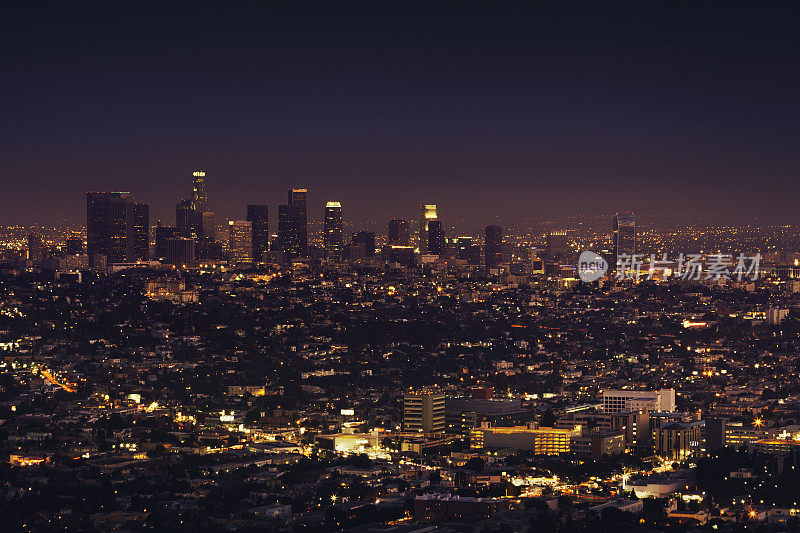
x: 118, y: 231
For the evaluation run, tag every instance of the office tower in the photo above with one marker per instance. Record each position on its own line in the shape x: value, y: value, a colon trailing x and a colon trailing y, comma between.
x: 557, y: 247
x: 624, y: 235
x: 199, y: 201
x: 74, y: 246
x: 463, y: 244
x: 96, y: 226
x: 109, y: 226
x: 188, y: 221
x: 208, y: 234
x: 299, y: 198
x: 427, y: 212
x: 162, y: 234
x: 424, y: 411
x: 436, y: 244
x: 141, y: 232
x: 493, y: 246
x: 36, y: 249
x: 121, y: 228
x: 240, y: 241
x: 333, y: 229
x: 365, y: 239
x: 289, y: 237
x: 180, y: 251
x: 399, y: 234
x: 258, y: 216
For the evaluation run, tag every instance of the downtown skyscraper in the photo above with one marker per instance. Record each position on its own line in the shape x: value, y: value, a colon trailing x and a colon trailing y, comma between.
x: 436, y: 238
x: 332, y: 236
x: 624, y: 234
x: 299, y: 199
x: 427, y: 213
x: 399, y: 234
x: 199, y: 197
x: 240, y: 241
x: 116, y: 227
x: 258, y: 216
x: 194, y: 220
x: 289, y: 236
x: 493, y: 246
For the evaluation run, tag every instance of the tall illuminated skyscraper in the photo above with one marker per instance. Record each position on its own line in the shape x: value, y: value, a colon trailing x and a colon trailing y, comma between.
x: 141, y: 232
x: 398, y: 232
x: 164, y: 233
x: 624, y: 234
x: 333, y: 229
x: 289, y: 223
x: 240, y: 241
x: 463, y: 247
x: 37, y: 251
x: 493, y: 246
x: 258, y: 216
x: 557, y: 246
x: 188, y: 221
x: 199, y: 197
x: 299, y: 199
x: 436, y: 242
x: 427, y: 213
x: 110, y: 226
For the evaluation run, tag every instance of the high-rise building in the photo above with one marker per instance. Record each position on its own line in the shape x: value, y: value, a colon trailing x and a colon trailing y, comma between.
x: 289, y: 236
x: 366, y: 239
x: 208, y: 231
x: 436, y: 242
x: 624, y: 228
x: 424, y: 411
x: 333, y: 240
x: 36, y: 249
x: 463, y: 245
x: 188, y: 221
x: 299, y: 198
x: 141, y: 232
x: 110, y: 226
x: 240, y: 241
x: 557, y: 247
x: 493, y: 246
x: 258, y: 216
x: 180, y: 251
x: 199, y: 198
x: 427, y: 212
x: 162, y: 234
x: 399, y: 234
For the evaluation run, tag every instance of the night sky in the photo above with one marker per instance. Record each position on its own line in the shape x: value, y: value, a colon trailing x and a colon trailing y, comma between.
x: 494, y: 111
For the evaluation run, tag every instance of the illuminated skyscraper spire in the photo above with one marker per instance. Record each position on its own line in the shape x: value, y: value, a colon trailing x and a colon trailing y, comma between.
x: 199, y: 197
x: 427, y: 213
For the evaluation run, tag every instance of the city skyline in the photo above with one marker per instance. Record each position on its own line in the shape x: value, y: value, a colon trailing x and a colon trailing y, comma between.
x: 371, y: 267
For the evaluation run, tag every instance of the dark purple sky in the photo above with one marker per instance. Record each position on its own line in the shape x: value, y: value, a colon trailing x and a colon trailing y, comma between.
x: 493, y: 111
